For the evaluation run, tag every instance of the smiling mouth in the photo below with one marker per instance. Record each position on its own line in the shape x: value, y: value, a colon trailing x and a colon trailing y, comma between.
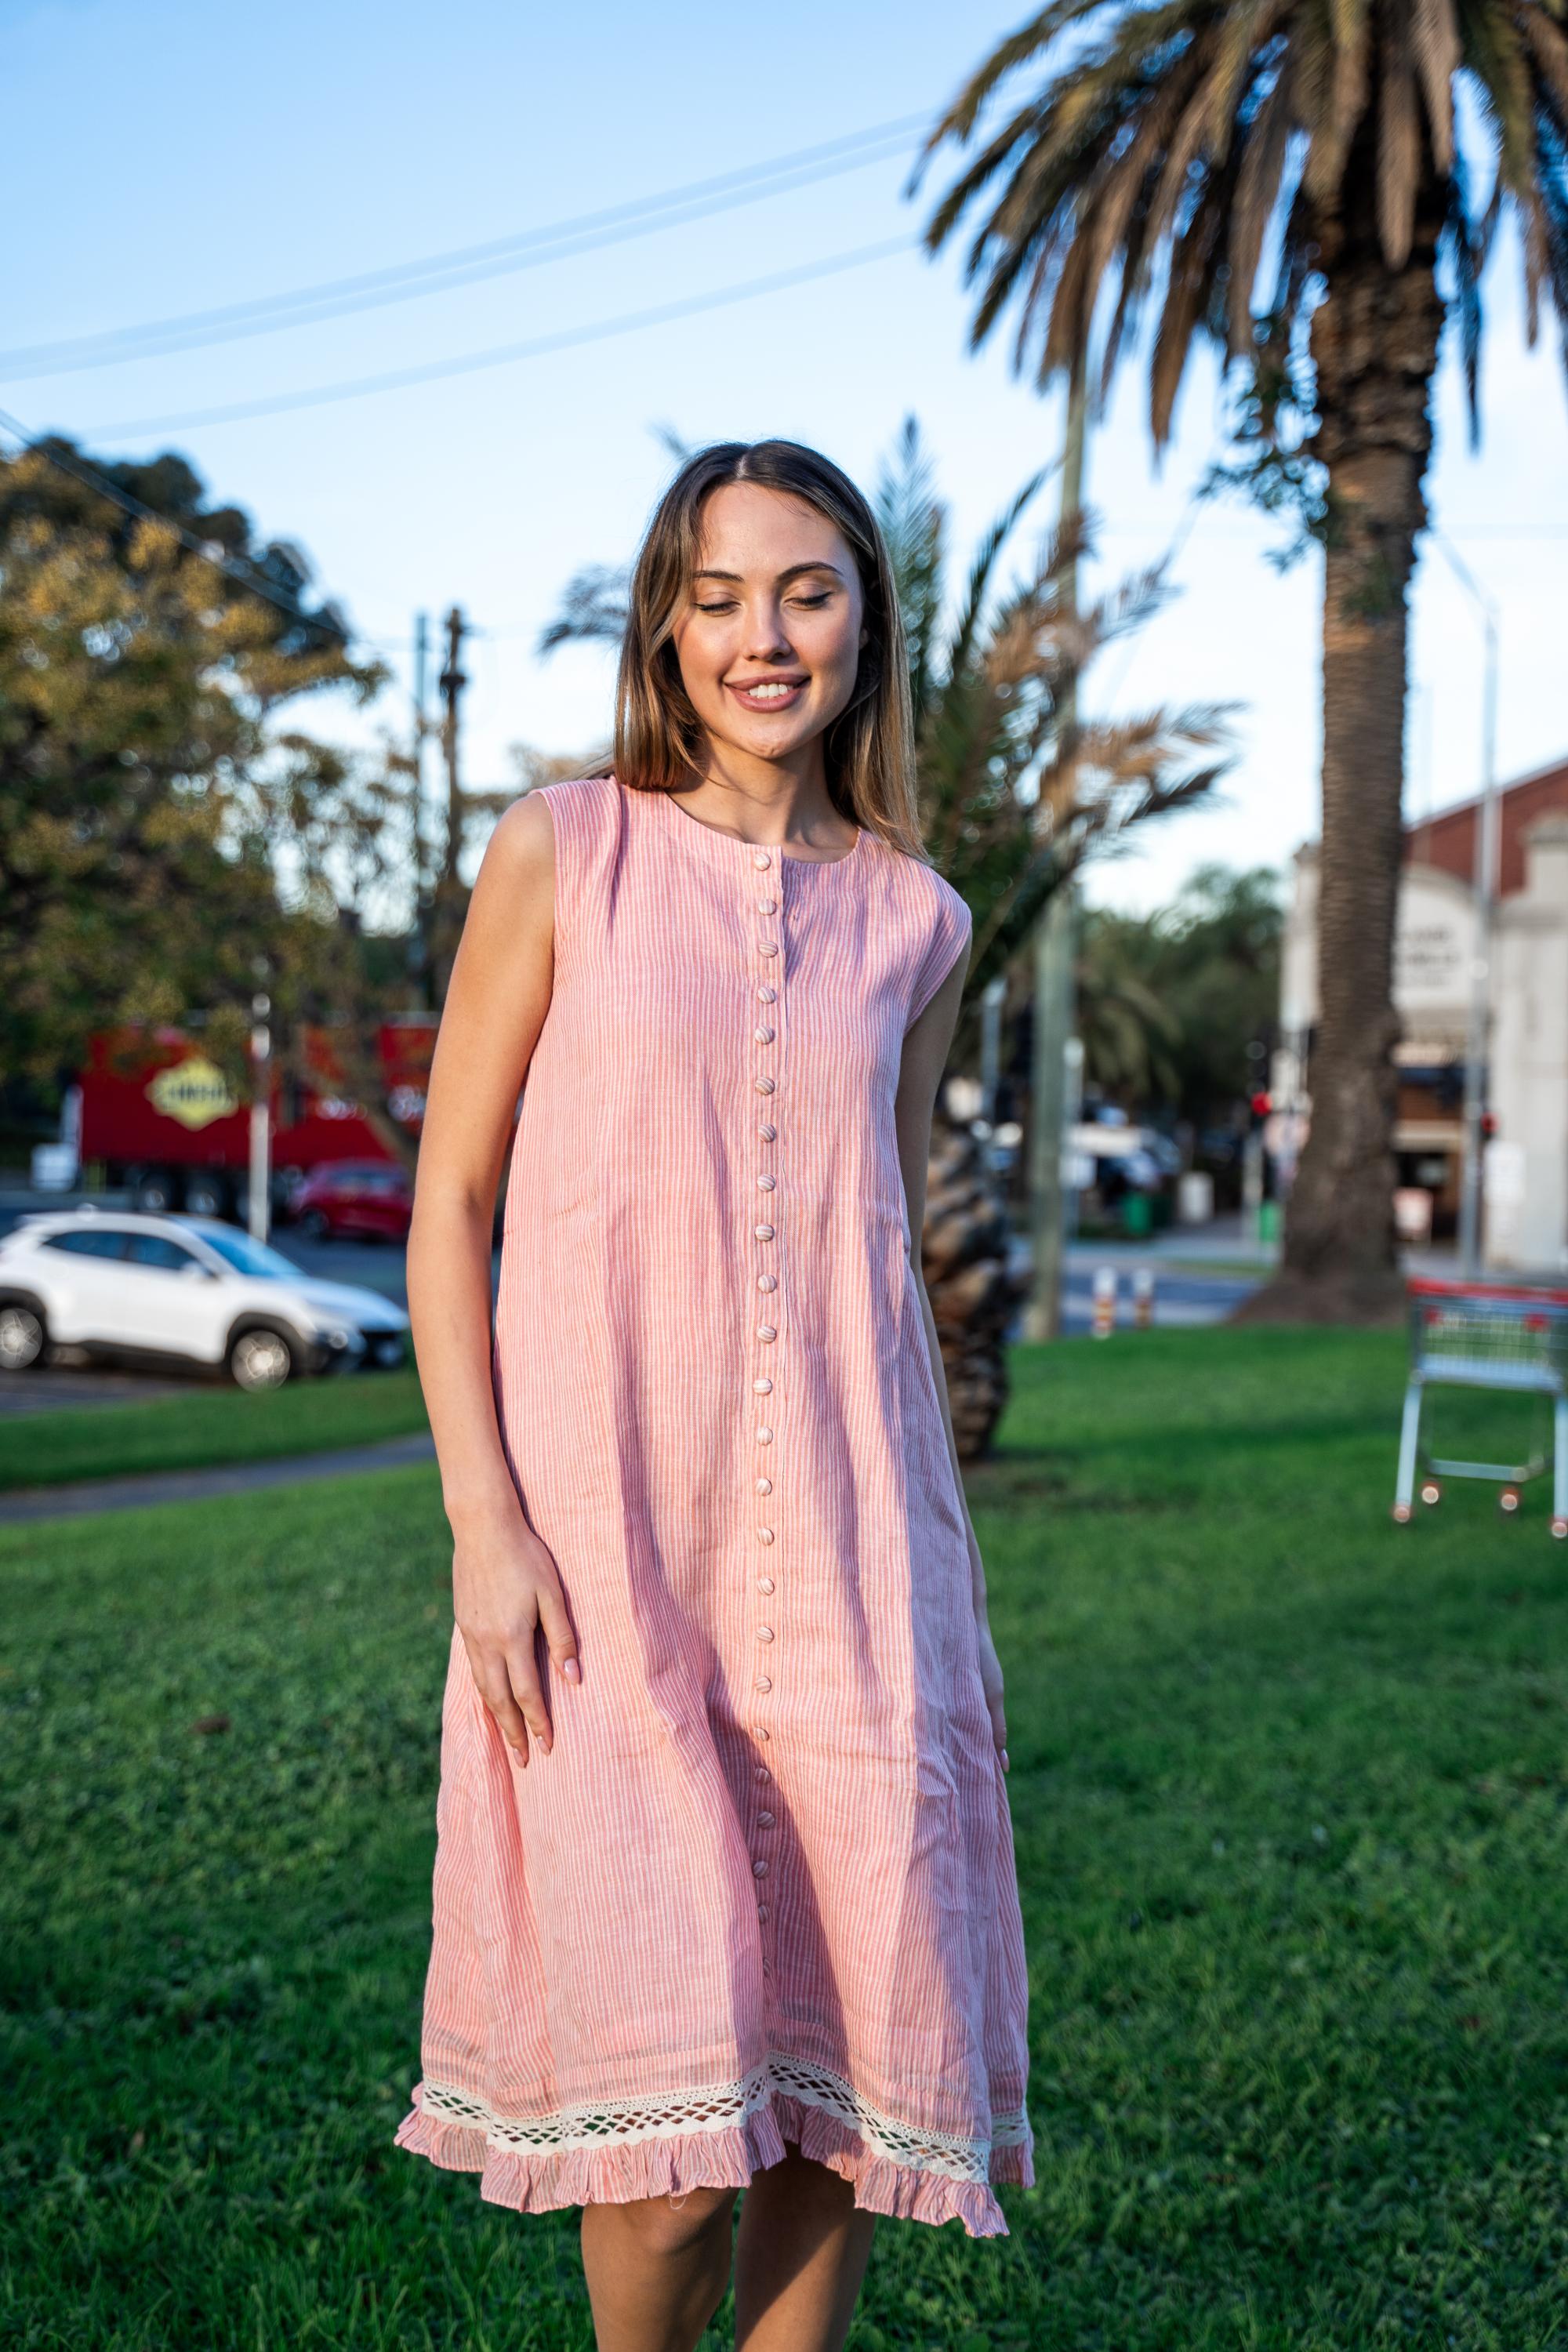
x: 768, y: 693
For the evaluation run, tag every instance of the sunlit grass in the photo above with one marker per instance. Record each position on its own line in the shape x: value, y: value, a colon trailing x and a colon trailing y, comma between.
x: 1288, y: 1785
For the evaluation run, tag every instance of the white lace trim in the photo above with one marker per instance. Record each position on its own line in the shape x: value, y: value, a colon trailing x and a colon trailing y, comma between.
x: 720, y: 2107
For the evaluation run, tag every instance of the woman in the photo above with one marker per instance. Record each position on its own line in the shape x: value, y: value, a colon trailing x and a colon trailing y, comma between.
x: 724, y: 1893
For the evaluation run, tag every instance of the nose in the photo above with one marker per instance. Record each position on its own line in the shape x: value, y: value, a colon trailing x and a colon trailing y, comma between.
x: 765, y: 638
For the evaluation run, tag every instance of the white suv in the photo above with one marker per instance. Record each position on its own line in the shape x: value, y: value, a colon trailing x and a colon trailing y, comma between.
x: 185, y: 1287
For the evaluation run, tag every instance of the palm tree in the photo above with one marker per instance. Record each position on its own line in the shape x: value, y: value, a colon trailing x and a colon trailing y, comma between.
x: 1157, y: 156
x: 1012, y: 801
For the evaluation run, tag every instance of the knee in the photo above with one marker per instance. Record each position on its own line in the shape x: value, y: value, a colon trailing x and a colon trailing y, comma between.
x: 676, y: 2225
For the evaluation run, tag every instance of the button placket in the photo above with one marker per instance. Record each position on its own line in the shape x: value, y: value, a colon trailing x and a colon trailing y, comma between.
x: 763, y: 891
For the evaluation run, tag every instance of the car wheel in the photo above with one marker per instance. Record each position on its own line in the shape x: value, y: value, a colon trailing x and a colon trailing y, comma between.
x: 260, y: 1358
x: 315, y: 1226
x: 154, y: 1194
x: 23, y: 1337
x: 207, y: 1196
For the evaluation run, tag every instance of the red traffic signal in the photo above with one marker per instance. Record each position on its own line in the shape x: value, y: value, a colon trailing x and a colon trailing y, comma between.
x: 1262, y: 1104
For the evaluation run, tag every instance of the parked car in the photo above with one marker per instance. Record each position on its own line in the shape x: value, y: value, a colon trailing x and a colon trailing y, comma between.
x: 185, y: 1290
x: 372, y: 1198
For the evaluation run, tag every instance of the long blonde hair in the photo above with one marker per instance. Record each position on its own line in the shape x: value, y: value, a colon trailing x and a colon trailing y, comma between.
x: 869, y: 751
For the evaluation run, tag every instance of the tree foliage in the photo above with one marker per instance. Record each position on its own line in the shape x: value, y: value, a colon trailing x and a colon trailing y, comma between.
x: 1169, y: 1003
x: 1206, y: 158
x: 165, y: 847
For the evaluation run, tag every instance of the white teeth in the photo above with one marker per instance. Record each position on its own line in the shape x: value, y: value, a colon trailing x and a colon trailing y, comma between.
x: 766, y: 693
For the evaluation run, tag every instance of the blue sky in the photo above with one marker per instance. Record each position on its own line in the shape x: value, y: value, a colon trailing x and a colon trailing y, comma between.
x: 167, y: 157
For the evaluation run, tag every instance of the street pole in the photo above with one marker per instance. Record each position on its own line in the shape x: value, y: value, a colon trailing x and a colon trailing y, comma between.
x: 1484, y: 871
x: 1054, y: 954
x: 419, y: 950
x: 260, y: 1117
x: 447, y: 884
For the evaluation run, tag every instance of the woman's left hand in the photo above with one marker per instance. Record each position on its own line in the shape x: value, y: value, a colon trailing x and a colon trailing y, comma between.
x: 990, y: 1683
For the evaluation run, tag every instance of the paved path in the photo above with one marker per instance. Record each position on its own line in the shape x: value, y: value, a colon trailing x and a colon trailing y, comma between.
x: 85, y: 1496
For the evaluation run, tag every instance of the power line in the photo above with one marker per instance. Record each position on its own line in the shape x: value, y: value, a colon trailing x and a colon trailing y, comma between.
x: 89, y: 478
x: 465, y: 266
x: 503, y: 355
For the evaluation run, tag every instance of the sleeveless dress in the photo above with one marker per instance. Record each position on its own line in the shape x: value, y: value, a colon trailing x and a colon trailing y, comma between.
x: 762, y: 1887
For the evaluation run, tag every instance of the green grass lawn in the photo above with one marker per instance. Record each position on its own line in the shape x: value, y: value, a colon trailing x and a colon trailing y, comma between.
x: 206, y: 1424
x: 1289, y: 1786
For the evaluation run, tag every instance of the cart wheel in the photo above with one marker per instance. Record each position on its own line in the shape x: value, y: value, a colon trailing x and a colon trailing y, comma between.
x: 1507, y: 1501
x: 1401, y: 1514
x: 1560, y: 1528
x: 1431, y: 1493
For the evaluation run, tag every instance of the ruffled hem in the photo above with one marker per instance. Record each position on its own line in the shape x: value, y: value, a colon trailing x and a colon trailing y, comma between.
x: 723, y: 2158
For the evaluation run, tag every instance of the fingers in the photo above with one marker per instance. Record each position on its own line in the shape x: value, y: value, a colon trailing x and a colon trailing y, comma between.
x: 495, y: 1690
x: 523, y: 1673
x: 560, y: 1640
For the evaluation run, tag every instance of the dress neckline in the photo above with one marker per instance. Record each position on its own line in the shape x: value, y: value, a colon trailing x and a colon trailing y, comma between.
x: 732, y: 846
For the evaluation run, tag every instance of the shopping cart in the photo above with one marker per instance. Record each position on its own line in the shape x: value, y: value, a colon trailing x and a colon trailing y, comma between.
x: 1486, y: 1335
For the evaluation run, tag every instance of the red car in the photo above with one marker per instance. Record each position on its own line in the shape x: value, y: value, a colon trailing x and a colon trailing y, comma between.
x: 372, y: 1200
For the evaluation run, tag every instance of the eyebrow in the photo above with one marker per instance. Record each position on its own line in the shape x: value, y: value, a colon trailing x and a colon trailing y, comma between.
x: 708, y: 573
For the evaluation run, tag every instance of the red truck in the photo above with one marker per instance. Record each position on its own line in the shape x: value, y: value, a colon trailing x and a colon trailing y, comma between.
x: 159, y: 1118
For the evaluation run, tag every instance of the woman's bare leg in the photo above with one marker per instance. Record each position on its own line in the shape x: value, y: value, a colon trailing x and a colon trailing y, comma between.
x: 657, y: 2268
x: 800, y: 2255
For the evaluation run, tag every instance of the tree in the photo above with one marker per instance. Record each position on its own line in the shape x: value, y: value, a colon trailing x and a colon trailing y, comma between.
x: 1171, y: 1003
x: 1014, y: 797
x: 164, y: 848
x: 1158, y: 157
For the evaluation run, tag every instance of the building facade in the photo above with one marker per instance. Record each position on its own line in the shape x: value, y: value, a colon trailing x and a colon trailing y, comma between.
x: 1525, y: 1168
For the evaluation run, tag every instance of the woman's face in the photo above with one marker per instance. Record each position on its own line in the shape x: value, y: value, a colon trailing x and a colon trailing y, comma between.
x: 769, y: 639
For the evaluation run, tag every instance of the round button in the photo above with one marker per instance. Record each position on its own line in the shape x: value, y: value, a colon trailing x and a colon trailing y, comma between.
x: 767, y: 946
x: 766, y: 1183
x: 764, y: 1535
x: 764, y: 1585
x: 759, y: 1868
x: 764, y: 1036
x: 761, y: 1733
x: 763, y: 1232
x: 762, y: 1910
x: 764, y: 1633
x: 767, y: 1282
x: 767, y: 1131
x: 763, y: 1387
x: 760, y: 858
x: 767, y: 906
x: 765, y: 1486
x: 761, y: 1772
x: 762, y: 1682
x: 763, y: 1086
x: 766, y: 993
x: 765, y: 1821
x: 766, y: 1331
x: 765, y: 1437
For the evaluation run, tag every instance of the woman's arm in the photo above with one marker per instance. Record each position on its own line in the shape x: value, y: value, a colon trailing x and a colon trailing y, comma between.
x: 926, y: 1046
x: 504, y: 1583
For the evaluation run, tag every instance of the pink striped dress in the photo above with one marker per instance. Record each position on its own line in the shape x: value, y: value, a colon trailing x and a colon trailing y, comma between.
x: 762, y: 1888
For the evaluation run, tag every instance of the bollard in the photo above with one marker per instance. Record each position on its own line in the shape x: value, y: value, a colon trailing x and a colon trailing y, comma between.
x: 1143, y: 1299
x: 1104, y: 1321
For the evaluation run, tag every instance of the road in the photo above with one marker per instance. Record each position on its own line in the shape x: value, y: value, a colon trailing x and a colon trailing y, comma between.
x: 1187, y: 1295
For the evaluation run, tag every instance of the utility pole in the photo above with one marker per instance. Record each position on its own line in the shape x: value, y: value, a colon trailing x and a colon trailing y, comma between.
x: 1484, y: 883
x: 1054, y: 938
x: 448, y: 885
x: 260, y: 1205
x: 419, y: 947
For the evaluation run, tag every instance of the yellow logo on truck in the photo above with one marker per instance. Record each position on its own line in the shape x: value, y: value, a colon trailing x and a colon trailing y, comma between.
x: 194, y: 1092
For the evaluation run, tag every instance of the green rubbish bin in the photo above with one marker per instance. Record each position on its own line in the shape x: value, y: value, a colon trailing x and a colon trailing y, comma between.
x: 1137, y: 1215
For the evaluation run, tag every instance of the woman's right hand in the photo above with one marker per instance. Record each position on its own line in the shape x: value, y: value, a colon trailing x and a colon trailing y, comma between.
x: 504, y: 1588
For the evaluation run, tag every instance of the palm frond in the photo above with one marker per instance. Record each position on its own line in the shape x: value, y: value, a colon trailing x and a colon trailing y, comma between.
x: 592, y: 610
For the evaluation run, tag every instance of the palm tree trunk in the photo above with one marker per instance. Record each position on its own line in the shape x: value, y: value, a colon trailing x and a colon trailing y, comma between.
x: 1374, y: 348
